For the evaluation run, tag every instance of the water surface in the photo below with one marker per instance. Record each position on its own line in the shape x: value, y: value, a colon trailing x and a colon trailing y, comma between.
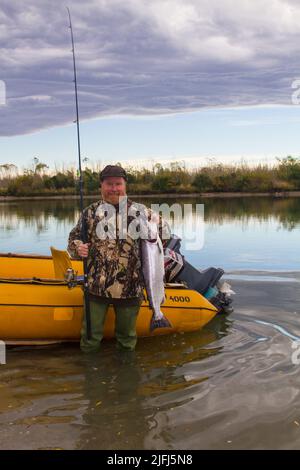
x: 232, y: 385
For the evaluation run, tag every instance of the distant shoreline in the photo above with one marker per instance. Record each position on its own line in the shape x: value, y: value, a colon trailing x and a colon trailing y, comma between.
x: 277, y: 194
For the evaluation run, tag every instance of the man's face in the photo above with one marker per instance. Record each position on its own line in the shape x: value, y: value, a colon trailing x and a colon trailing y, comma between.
x: 112, y: 188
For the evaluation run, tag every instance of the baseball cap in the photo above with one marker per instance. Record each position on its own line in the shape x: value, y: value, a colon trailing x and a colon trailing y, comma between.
x: 113, y: 170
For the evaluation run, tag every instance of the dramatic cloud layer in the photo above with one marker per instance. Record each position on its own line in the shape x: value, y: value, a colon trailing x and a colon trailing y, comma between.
x: 143, y: 57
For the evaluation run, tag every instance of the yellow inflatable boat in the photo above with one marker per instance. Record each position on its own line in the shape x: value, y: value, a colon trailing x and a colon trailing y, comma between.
x: 36, y: 306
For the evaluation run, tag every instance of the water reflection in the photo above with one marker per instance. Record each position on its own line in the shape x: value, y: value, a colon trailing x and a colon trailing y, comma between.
x: 217, y: 210
x: 231, y: 385
x: 32, y: 226
x: 120, y: 396
x: 102, y: 401
x: 240, y: 233
x: 37, y: 215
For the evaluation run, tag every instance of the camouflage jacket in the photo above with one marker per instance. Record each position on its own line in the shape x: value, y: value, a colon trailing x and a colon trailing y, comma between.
x: 114, y: 260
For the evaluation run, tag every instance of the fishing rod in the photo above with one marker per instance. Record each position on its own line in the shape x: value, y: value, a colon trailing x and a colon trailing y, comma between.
x: 83, y: 223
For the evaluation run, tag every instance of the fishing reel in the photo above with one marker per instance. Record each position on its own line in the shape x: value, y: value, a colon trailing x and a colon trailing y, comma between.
x: 72, y: 279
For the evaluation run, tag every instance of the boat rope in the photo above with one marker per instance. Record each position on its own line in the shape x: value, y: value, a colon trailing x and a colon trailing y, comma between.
x: 46, y: 282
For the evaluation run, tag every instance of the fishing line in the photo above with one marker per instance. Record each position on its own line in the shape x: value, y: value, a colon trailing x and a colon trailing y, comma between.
x: 83, y: 220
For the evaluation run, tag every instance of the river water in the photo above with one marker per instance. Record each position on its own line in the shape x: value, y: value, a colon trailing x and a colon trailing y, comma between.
x: 233, y: 385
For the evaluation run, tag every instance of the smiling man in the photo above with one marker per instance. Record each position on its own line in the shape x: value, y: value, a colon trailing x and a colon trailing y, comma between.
x: 113, y: 260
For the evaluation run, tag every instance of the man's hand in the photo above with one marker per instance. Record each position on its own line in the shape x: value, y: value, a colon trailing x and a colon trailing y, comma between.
x: 83, y: 250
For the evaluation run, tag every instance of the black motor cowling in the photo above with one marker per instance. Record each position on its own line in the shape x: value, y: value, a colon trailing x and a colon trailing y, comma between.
x: 206, y: 282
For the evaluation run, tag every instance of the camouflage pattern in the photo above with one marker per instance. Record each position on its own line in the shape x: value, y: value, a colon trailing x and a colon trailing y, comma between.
x: 114, y: 265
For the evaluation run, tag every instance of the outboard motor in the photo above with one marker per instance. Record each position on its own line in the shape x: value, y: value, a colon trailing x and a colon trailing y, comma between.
x: 206, y: 282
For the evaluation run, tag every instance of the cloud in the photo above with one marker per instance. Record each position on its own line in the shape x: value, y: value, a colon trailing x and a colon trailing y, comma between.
x: 143, y: 58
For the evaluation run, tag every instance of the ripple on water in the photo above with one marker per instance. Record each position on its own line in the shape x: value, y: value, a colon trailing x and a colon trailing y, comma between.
x: 231, y: 385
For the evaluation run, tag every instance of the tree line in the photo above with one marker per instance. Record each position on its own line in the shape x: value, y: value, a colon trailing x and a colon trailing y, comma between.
x: 174, y: 179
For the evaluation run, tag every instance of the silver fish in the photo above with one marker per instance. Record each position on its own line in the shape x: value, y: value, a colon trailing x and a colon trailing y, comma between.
x: 153, y: 272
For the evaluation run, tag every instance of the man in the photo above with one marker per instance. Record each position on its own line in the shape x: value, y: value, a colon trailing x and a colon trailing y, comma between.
x: 113, y: 260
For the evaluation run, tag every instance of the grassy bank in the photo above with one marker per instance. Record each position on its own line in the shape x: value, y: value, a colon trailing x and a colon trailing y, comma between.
x: 213, y: 179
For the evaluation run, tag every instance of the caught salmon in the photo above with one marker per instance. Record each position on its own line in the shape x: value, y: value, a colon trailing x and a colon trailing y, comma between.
x: 153, y: 272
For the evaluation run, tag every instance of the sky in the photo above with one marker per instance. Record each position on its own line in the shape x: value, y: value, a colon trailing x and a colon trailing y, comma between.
x: 159, y: 80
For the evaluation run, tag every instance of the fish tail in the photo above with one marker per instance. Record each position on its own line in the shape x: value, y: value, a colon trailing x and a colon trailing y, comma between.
x: 163, y: 322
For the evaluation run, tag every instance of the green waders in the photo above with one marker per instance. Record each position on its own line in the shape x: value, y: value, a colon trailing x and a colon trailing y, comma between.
x: 125, y: 327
